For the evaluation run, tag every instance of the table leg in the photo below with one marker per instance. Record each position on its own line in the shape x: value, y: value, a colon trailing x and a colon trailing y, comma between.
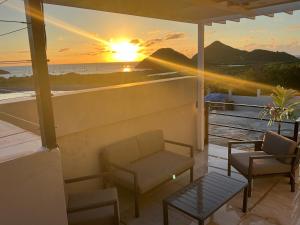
x: 245, y: 200
x: 201, y: 222
x: 165, y: 212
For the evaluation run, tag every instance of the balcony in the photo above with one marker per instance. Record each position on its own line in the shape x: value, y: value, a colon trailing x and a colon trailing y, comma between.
x: 155, y: 107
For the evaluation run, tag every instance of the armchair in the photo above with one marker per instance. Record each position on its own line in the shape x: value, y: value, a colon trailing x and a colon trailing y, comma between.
x: 275, y: 155
x: 94, y: 207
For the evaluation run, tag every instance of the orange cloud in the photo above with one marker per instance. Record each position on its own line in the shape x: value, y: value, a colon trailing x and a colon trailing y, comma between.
x: 174, y: 36
x: 64, y: 49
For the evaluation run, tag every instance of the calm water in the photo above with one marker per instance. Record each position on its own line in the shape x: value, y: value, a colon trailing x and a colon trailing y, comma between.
x: 91, y: 68
x: 58, y: 69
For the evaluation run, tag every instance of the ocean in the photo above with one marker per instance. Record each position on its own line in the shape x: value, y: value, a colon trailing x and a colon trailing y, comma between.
x: 59, y: 69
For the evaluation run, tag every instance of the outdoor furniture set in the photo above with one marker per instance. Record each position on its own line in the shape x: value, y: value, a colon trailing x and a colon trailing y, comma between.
x: 139, y: 164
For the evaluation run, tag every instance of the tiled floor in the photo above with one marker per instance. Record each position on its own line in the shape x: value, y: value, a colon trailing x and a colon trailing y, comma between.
x: 271, y: 203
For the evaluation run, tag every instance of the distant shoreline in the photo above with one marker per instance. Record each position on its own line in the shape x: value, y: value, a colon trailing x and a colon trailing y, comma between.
x: 75, y: 81
x: 83, y: 68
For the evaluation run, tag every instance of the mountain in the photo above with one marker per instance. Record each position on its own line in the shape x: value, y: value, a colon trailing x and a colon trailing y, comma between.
x: 165, y: 54
x: 217, y: 53
x: 220, y: 54
x: 2, y: 72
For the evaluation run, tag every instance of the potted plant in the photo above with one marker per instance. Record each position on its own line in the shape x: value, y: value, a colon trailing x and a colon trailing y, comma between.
x: 283, y: 107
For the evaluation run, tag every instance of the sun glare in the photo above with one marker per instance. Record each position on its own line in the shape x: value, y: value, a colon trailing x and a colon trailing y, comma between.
x: 124, y: 51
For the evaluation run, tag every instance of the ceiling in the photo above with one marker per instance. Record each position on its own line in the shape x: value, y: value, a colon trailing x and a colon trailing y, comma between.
x: 190, y: 11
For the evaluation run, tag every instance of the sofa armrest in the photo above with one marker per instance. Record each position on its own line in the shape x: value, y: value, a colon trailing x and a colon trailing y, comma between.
x: 271, y: 157
x: 183, y: 145
x: 230, y: 143
x: 252, y: 158
x: 257, y: 144
x: 121, y: 168
x: 84, y: 178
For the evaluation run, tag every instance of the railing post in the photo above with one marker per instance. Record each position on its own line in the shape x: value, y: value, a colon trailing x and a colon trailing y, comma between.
x: 296, y: 131
x: 206, y: 118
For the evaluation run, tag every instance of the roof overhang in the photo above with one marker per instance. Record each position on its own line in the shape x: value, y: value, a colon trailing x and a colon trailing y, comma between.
x: 189, y: 11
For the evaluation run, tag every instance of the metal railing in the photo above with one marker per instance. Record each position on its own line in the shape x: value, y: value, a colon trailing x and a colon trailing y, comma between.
x: 209, y: 105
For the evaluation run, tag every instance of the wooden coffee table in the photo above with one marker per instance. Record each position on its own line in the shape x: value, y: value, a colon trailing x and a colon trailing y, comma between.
x: 204, y: 196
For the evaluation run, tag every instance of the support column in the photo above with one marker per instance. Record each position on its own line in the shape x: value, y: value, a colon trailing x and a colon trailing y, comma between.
x: 200, y: 90
x: 37, y: 42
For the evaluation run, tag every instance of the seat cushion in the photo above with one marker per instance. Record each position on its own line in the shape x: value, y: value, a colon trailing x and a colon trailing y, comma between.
x: 260, y: 166
x: 275, y: 144
x: 101, y: 215
x: 150, y: 142
x: 122, y: 152
x: 154, y: 170
x: 86, y: 199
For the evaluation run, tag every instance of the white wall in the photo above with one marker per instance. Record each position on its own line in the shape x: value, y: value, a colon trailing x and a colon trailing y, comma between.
x: 86, y: 121
x: 32, y: 190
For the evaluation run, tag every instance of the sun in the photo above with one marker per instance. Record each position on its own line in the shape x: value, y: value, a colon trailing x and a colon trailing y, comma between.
x: 124, y: 51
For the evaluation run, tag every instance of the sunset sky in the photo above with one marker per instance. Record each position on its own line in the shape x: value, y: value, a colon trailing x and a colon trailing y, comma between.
x: 281, y: 33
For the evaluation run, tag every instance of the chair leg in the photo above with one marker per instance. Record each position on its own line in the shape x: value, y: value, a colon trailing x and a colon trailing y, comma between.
x: 250, y: 185
x: 229, y: 169
x: 292, y: 181
x: 136, y: 205
x: 117, y: 213
x: 191, y: 175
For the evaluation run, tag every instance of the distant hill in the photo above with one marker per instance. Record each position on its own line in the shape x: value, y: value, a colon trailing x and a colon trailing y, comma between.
x: 220, y: 54
x: 2, y: 72
x: 217, y: 53
x: 167, y: 54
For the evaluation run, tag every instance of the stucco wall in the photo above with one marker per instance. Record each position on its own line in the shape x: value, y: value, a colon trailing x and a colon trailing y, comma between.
x: 32, y: 190
x: 86, y: 121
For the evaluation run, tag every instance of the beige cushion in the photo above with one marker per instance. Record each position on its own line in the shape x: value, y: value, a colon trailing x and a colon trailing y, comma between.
x: 101, y: 215
x: 154, y: 170
x: 260, y: 166
x: 275, y: 144
x: 122, y: 152
x: 151, y: 142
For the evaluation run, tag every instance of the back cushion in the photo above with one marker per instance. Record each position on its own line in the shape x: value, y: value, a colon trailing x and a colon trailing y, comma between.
x: 151, y: 142
x: 122, y: 152
x: 276, y: 144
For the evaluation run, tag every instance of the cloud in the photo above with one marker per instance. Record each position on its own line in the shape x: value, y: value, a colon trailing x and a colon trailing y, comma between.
x: 177, y: 35
x: 153, y: 41
x: 97, y: 51
x: 165, y: 37
x: 64, y: 49
x: 101, y: 49
x: 135, y: 41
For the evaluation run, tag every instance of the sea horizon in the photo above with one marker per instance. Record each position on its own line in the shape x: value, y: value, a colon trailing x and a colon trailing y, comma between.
x: 80, y: 68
